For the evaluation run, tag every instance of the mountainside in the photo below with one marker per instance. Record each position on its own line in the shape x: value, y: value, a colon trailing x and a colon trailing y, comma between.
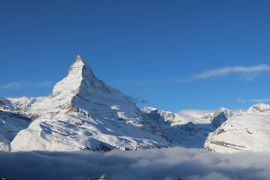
x: 188, y: 128
x: 10, y: 125
x: 84, y: 113
x: 246, y: 131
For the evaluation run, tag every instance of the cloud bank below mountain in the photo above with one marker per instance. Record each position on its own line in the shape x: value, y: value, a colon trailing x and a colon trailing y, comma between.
x: 172, y: 163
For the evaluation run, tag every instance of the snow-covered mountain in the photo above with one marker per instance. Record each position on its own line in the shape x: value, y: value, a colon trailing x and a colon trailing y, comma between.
x: 248, y: 130
x: 10, y: 125
x: 84, y: 113
x: 188, y: 128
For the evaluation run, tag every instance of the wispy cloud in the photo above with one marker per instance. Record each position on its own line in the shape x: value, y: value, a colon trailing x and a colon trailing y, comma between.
x: 264, y: 100
x: 241, y: 101
x: 12, y: 85
x: 45, y: 84
x: 256, y: 100
x: 229, y: 70
x: 20, y: 85
x: 141, y: 101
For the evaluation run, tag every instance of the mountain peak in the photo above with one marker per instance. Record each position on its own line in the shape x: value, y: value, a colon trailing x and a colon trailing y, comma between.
x: 83, y: 90
x: 79, y: 66
x: 78, y: 57
x: 78, y: 72
x: 261, y: 107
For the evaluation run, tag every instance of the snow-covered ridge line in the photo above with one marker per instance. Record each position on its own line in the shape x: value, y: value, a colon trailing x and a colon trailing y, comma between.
x: 84, y: 113
x: 248, y: 131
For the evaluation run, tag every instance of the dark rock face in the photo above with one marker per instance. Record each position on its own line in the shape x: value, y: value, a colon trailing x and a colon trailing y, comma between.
x: 219, y: 119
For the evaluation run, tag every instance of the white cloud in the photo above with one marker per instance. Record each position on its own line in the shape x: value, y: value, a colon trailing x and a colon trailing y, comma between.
x: 12, y: 85
x: 241, y: 101
x: 170, y: 164
x: 264, y: 100
x: 229, y: 70
x: 256, y: 100
x: 45, y: 84
x: 20, y: 85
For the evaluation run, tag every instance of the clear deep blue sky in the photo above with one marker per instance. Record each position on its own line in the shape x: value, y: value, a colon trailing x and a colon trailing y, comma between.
x: 168, y: 54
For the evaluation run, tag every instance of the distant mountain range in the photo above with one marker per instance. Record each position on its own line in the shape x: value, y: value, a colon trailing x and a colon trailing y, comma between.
x: 84, y: 113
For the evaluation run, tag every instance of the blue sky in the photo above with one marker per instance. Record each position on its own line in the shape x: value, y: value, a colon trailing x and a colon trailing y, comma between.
x: 168, y: 54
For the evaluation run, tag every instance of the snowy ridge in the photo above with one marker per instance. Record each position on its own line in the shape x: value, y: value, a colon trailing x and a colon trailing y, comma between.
x: 259, y: 108
x: 247, y: 131
x: 83, y: 113
x: 10, y: 125
x: 188, y: 128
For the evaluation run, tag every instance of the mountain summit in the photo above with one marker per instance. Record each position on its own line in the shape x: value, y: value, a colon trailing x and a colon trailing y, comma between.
x: 82, y: 88
x: 84, y: 113
x: 72, y: 84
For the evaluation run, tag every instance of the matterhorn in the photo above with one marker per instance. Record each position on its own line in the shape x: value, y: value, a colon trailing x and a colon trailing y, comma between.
x: 84, y: 113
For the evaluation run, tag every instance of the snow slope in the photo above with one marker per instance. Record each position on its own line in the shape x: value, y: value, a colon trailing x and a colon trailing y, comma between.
x: 246, y: 131
x: 83, y: 113
x: 10, y: 125
x: 196, y: 116
x: 188, y: 128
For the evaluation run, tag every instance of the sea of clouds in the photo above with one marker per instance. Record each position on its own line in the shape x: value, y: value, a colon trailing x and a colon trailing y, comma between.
x: 169, y: 164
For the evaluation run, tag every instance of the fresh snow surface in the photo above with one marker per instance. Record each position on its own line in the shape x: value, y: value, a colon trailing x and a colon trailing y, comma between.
x: 196, y: 116
x: 248, y: 131
x: 188, y: 128
x: 84, y: 113
x: 10, y: 125
x: 259, y: 108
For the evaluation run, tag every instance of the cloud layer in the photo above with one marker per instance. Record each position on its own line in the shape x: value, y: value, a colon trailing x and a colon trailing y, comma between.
x: 257, y: 100
x: 229, y: 70
x: 169, y: 164
x: 20, y: 85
